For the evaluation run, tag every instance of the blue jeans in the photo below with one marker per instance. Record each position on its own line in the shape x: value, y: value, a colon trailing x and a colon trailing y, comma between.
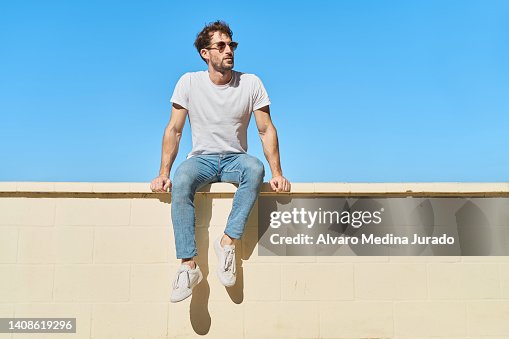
x: 200, y: 170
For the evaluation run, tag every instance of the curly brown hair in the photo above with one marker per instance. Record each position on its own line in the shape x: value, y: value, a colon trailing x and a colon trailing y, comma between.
x: 203, y: 38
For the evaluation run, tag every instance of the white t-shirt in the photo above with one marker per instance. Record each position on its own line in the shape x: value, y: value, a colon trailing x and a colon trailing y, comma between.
x: 219, y: 114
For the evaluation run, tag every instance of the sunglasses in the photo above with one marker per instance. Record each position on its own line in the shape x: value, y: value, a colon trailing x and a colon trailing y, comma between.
x: 221, y: 45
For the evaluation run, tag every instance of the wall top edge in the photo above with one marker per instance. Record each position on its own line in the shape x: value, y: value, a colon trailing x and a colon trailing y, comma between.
x: 297, y: 188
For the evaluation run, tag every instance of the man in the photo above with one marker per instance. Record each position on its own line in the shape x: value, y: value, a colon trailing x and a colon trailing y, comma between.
x: 219, y: 102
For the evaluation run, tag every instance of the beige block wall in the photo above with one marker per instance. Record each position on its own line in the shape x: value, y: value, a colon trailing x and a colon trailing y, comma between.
x: 104, y: 253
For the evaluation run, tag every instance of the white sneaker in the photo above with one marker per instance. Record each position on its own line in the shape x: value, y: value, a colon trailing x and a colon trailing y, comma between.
x: 226, y: 260
x: 185, y: 280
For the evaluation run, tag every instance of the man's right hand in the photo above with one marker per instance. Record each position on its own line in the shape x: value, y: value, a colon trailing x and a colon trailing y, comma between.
x: 161, y: 184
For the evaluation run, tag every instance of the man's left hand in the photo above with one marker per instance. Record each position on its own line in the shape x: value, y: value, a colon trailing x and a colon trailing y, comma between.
x: 280, y: 184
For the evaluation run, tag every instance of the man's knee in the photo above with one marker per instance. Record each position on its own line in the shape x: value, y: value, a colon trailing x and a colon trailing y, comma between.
x: 254, y: 170
x: 183, y: 181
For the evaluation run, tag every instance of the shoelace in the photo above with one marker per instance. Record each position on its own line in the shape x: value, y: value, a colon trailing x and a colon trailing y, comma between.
x: 176, y: 283
x: 228, y: 260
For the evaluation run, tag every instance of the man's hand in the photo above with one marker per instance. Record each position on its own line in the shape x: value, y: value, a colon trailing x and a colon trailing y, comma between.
x: 280, y: 184
x: 161, y: 184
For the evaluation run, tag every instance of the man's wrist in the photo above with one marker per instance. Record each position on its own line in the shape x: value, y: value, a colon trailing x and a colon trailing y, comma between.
x: 164, y: 175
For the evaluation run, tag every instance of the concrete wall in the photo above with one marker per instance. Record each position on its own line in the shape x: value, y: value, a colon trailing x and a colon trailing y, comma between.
x: 104, y: 253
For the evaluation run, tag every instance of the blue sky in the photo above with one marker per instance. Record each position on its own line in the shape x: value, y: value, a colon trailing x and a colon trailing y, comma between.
x: 362, y: 91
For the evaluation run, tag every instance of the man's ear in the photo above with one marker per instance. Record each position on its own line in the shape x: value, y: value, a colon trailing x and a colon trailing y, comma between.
x: 204, y: 54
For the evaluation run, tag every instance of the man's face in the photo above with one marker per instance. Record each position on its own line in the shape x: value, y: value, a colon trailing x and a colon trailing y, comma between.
x: 220, y: 61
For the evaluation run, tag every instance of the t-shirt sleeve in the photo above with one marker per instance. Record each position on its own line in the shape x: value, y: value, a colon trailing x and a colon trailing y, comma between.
x: 181, y: 92
x: 260, y: 96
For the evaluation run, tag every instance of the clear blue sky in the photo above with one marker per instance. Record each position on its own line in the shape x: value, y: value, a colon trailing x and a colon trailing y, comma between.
x: 362, y: 91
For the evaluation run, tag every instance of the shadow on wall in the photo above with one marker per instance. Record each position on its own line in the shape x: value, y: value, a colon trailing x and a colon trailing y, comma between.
x: 474, y: 231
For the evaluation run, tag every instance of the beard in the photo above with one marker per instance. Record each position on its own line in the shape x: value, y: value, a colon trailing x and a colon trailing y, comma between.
x: 222, y: 65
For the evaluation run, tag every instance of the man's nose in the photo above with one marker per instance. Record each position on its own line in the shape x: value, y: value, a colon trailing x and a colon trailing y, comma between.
x: 228, y: 49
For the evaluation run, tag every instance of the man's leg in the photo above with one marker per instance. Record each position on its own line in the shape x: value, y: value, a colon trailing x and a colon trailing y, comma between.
x: 248, y: 172
x: 192, y: 174
x: 189, y: 176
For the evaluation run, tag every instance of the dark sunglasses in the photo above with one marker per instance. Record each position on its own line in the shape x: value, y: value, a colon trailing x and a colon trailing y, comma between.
x: 221, y: 45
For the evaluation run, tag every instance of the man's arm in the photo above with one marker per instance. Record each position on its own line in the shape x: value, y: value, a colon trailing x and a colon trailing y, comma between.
x: 170, y: 147
x: 268, y: 135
